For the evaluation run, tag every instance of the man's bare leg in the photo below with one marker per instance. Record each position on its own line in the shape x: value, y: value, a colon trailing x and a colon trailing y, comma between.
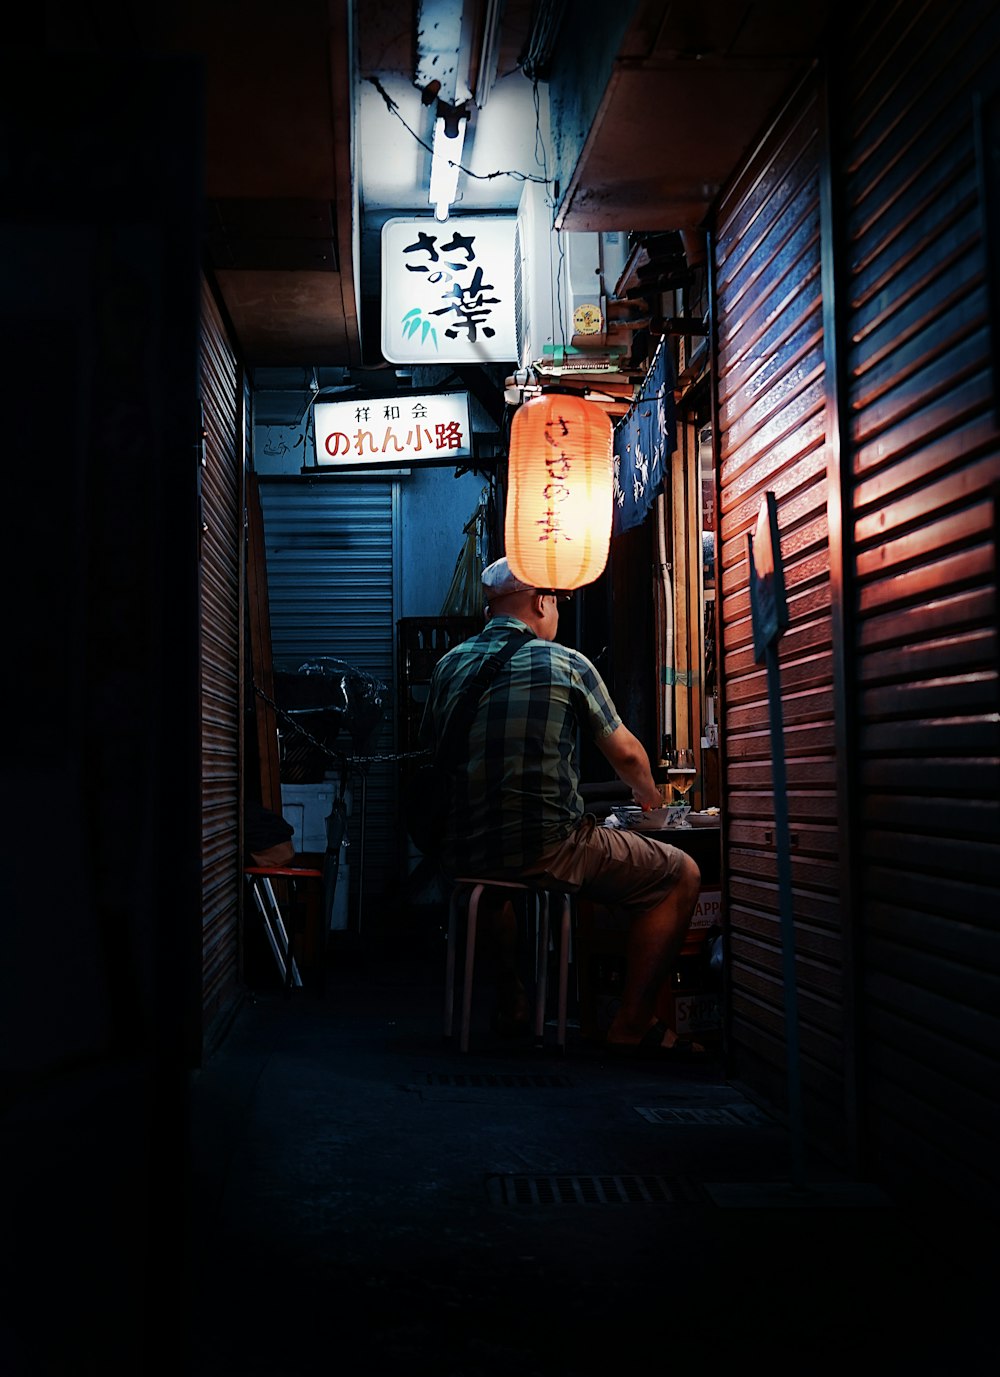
x: 654, y: 941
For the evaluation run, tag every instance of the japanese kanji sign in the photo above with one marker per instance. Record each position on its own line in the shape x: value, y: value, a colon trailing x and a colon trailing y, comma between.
x: 394, y: 430
x: 448, y: 290
x: 644, y: 440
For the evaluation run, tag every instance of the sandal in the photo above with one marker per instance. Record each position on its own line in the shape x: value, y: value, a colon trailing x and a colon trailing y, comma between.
x: 652, y: 1047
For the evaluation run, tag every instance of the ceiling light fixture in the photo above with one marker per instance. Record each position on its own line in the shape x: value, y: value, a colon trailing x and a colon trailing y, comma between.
x: 449, y: 139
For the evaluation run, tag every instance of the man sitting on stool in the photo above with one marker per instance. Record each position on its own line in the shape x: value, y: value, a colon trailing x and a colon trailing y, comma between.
x: 517, y: 812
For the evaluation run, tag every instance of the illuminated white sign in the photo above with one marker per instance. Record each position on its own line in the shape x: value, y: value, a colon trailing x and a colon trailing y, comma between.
x: 448, y: 290
x: 394, y: 430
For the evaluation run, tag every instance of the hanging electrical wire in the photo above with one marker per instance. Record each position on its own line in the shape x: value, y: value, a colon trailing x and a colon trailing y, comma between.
x: 536, y: 60
x: 477, y: 176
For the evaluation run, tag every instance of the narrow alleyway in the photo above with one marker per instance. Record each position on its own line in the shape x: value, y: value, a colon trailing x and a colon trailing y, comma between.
x: 370, y: 1202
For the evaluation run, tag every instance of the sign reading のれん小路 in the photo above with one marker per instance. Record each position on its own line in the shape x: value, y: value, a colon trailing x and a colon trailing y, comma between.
x: 400, y: 430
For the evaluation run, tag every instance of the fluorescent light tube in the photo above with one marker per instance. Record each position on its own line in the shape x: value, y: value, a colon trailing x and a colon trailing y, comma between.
x: 445, y: 159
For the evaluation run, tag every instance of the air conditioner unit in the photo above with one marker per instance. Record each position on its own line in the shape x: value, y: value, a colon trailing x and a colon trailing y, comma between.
x: 562, y: 285
x: 533, y: 235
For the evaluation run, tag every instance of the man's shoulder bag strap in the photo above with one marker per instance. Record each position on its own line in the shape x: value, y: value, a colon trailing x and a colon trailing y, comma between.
x: 472, y: 692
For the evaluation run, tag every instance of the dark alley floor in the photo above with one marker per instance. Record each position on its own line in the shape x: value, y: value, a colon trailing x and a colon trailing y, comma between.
x: 368, y: 1201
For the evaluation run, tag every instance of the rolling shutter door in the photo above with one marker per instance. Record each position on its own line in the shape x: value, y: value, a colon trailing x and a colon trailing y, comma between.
x: 330, y: 582
x: 772, y: 434
x: 923, y: 458
x: 221, y: 544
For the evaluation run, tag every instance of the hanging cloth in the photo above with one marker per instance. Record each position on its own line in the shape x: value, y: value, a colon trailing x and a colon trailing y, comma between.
x: 464, y: 597
x: 644, y: 440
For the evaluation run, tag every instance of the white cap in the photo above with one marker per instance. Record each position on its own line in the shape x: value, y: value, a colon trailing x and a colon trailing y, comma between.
x: 498, y: 580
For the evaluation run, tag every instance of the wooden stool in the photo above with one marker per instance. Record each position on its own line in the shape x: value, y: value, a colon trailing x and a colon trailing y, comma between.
x: 279, y: 938
x: 473, y: 886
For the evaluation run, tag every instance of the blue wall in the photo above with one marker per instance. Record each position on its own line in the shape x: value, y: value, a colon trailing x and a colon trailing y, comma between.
x: 435, y: 507
x: 581, y: 68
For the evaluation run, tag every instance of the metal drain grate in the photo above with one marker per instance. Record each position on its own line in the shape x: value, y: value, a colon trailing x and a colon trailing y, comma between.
x: 586, y: 1190
x: 742, y: 1116
x: 501, y: 1081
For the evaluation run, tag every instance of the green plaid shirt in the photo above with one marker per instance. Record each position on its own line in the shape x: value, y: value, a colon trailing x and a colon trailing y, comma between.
x: 517, y: 790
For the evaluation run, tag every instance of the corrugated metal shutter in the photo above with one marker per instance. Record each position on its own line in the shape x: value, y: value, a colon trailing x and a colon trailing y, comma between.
x: 922, y: 459
x: 331, y: 575
x: 772, y: 424
x: 221, y: 612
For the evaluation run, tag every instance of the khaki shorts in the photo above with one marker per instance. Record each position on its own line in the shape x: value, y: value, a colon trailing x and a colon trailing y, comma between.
x: 609, y: 865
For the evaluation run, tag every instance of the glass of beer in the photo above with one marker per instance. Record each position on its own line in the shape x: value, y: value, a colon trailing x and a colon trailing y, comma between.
x: 680, y: 773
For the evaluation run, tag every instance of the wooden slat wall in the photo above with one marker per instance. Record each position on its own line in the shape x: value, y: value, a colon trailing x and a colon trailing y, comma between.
x: 261, y: 673
x: 922, y: 455
x: 221, y: 546
x: 772, y: 434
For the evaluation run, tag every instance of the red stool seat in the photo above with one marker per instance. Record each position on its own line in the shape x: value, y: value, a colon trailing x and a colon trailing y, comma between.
x: 278, y: 936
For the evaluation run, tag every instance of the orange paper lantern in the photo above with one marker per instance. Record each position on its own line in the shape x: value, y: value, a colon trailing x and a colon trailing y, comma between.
x: 560, y: 491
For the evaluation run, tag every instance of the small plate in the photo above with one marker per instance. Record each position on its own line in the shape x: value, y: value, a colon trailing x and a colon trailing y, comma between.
x: 704, y: 819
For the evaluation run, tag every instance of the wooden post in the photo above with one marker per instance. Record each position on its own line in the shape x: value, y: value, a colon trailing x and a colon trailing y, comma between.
x: 259, y: 617
x: 681, y: 579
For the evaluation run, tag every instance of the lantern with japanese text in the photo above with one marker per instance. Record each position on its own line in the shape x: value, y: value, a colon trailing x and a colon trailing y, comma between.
x: 559, y: 500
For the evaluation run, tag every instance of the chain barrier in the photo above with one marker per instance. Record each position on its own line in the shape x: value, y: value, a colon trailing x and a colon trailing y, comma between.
x: 342, y: 760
